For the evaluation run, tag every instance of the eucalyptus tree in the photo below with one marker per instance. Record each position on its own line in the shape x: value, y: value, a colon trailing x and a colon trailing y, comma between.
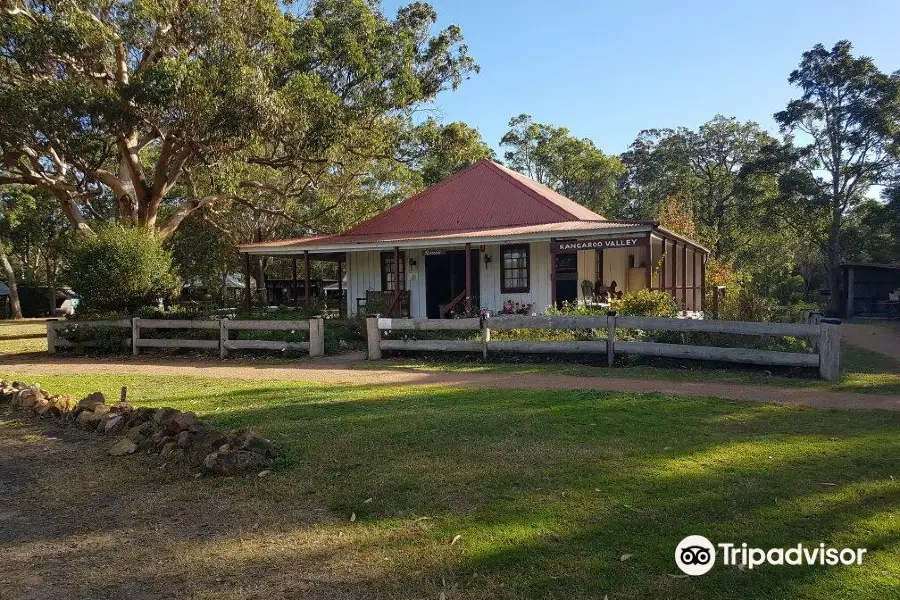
x: 845, y: 131
x: 701, y: 169
x: 147, y: 111
x: 437, y: 151
x: 573, y: 166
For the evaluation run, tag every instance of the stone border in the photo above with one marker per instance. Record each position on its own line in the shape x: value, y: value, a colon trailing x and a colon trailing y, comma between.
x: 168, y: 432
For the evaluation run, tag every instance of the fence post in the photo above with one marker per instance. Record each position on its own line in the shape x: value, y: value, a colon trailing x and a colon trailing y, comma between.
x: 223, y: 337
x: 611, y: 338
x: 829, y: 350
x: 374, y: 338
x: 317, y: 337
x: 485, y: 337
x: 135, y: 335
x: 51, y: 336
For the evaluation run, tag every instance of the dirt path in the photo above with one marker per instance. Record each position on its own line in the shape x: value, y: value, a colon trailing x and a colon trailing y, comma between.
x: 338, y: 370
x: 883, y: 338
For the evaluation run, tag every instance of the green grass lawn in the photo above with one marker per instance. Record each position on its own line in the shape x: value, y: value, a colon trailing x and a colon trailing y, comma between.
x: 21, y: 337
x: 861, y: 370
x: 549, y: 490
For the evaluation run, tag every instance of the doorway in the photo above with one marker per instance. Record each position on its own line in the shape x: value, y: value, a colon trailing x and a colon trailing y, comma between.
x: 445, y: 279
x: 565, y: 279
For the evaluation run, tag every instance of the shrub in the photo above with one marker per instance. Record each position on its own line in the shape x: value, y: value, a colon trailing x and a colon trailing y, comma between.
x: 743, y: 304
x: 792, y: 290
x: 121, y: 269
x: 575, y: 309
x: 645, y: 303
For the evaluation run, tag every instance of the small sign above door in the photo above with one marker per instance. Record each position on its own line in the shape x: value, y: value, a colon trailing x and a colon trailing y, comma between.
x: 435, y: 252
x: 598, y: 244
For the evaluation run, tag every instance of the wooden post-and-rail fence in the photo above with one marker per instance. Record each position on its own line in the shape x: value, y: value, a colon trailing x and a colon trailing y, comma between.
x: 826, y: 336
x: 315, y: 346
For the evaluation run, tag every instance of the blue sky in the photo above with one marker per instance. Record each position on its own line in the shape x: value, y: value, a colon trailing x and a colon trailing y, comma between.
x: 606, y: 70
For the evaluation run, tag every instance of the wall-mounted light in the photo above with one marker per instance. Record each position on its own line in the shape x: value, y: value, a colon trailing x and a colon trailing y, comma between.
x: 487, y: 259
x: 412, y: 262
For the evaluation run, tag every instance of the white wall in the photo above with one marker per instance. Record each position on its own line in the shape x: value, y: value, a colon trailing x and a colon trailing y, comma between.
x: 364, y: 273
x: 491, y: 297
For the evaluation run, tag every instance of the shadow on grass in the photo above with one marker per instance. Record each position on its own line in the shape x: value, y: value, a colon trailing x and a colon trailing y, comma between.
x: 548, y: 490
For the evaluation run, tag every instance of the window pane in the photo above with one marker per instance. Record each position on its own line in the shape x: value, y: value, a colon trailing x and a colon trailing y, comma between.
x: 514, y: 266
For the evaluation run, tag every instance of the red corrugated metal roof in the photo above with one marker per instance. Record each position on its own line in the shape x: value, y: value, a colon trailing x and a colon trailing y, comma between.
x: 499, y: 232
x: 483, y: 196
x: 485, y: 200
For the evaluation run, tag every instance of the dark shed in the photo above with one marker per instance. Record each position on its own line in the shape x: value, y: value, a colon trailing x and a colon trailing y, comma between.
x: 870, y: 290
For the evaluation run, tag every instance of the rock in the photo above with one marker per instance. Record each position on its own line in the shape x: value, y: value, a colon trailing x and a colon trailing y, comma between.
x: 261, y: 445
x: 233, y: 463
x: 26, y: 398
x: 181, y: 422
x: 62, y: 405
x: 87, y: 419
x: 160, y: 442
x: 183, y: 439
x: 203, y: 442
x: 121, y: 408
x: 162, y: 416
x: 170, y: 449
x: 100, y: 409
x: 113, y: 423
x: 123, y: 447
x: 92, y: 399
x: 41, y: 406
x: 6, y: 391
x: 139, y: 415
x: 140, y: 434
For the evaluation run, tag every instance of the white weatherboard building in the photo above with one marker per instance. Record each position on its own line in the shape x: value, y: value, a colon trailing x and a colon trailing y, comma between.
x: 490, y: 238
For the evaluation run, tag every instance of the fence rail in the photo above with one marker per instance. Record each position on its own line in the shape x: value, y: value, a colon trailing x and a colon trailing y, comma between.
x: 824, y: 338
x: 315, y: 346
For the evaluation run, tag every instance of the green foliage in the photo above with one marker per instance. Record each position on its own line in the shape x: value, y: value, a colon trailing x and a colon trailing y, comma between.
x: 872, y: 233
x: 101, y: 340
x: 299, y: 111
x: 576, y: 309
x: 442, y: 150
x: 849, y: 111
x: 121, y: 269
x: 791, y: 290
x: 645, y: 303
x: 743, y: 304
x: 572, y: 166
x: 683, y: 176
x: 207, y: 268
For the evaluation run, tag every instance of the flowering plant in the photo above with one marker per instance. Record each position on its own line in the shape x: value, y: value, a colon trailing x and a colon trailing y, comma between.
x: 516, y: 308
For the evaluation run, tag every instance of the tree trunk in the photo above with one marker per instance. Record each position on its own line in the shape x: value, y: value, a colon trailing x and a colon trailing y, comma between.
x: 13, y: 288
x: 834, y: 261
x: 51, y: 286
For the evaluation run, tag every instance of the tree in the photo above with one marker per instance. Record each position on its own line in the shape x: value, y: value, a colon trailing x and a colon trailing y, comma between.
x: 15, y: 305
x: 146, y: 112
x: 33, y: 235
x: 872, y: 232
x: 849, y: 112
x: 701, y: 170
x: 441, y: 150
x: 37, y: 234
x: 573, y: 167
x: 121, y: 270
